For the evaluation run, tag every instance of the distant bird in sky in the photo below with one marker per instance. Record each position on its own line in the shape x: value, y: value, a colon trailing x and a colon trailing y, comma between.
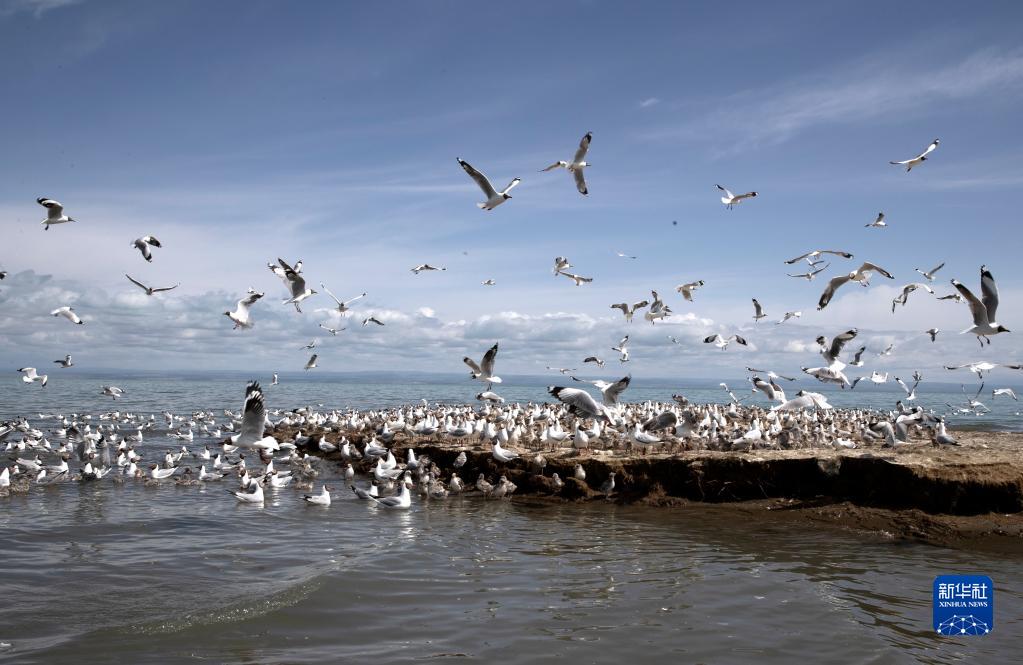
x: 810, y: 274
x: 788, y: 315
x: 54, y: 213
x: 687, y: 289
x: 310, y: 345
x: 575, y: 167
x: 878, y: 223
x: 731, y: 200
x: 31, y: 375
x: 984, y: 308
x: 977, y: 368
x: 758, y: 311
x: 903, y: 297
x: 342, y: 305
x: 332, y: 331
x: 599, y: 362
x: 933, y: 332
x: 241, y: 315
x: 578, y: 279
x: 424, y: 267
x: 65, y: 363
x: 143, y: 244
x: 818, y: 252
x: 68, y: 314
x: 625, y: 256
x: 311, y: 362
x: 622, y: 349
x: 494, y: 197
x: 485, y: 370
x: 372, y: 319
x: 488, y: 282
x: 861, y: 275
x: 630, y: 311
x: 149, y: 289
x: 930, y: 273
x: 723, y: 342
x: 919, y: 159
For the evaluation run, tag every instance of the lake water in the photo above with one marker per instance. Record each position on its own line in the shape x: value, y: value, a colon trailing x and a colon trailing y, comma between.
x: 137, y: 574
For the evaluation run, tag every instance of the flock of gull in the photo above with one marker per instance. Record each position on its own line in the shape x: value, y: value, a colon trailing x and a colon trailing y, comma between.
x: 263, y: 454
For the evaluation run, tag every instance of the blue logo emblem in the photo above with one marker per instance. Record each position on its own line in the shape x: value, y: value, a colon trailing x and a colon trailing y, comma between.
x: 964, y: 605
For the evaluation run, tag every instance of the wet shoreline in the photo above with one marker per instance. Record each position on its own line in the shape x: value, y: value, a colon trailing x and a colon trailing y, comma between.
x: 968, y: 496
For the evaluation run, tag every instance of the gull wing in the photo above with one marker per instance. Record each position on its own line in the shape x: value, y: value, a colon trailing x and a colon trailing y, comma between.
x: 166, y: 288
x: 868, y: 266
x: 579, y: 402
x: 584, y: 145
x: 977, y: 308
x: 136, y: 282
x: 612, y: 392
x: 730, y: 195
x: 322, y: 286
x: 254, y: 415
x: 54, y: 209
x: 551, y: 167
x: 472, y: 365
x: 481, y: 180
x: 989, y: 293
x: 929, y: 149
x: 580, y: 181
x: 838, y: 342
x: 829, y: 290
x: 487, y: 365
x: 758, y: 309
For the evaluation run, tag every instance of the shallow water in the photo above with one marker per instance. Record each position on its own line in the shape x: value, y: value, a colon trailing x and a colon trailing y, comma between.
x: 169, y: 574
x: 174, y: 574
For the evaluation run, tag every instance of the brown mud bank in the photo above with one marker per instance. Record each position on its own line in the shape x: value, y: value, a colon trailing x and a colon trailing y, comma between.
x: 969, y: 495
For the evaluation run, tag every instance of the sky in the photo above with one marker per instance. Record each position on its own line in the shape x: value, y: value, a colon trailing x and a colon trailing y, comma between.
x: 239, y: 132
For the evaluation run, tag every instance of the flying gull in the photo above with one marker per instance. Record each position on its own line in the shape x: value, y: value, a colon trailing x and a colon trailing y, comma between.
x: 575, y: 167
x: 494, y: 197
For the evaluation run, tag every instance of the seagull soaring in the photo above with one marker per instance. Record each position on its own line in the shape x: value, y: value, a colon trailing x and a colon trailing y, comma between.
x: 578, y: 279
x: 723, y: 342
x: 758, y: 311
x: 813, y: 272
x: 903, y: 297
x: 861, y: 275
x: 817, y: 252
x: 575, y: 167
x: 311, y: 363
x: 342, y: 305
x: 494, y: 197
x: 731, y: 200
x: 241, y: 316
x: 629, y: 311
x: 143, y: 244
x: 54, y: 213
x: 149, y: 289
x: 68, y: 314
x: 878, y: 223
x: 922, y: 157
x: 983, y: 309
x: 65, y: 363
x: 930, y: 273
x: 30, y: 375
x: 687, y: 289
x: 424, y: 267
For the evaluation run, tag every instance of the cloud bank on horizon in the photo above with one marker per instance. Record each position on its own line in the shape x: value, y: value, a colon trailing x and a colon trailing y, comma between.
x: 329, y: 133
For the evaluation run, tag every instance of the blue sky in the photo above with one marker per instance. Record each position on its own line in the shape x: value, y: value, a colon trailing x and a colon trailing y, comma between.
x: 237, y: 132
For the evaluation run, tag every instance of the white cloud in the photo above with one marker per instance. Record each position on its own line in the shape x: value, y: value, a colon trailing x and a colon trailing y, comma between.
x: 648, y: 102
x: 36, y: 7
